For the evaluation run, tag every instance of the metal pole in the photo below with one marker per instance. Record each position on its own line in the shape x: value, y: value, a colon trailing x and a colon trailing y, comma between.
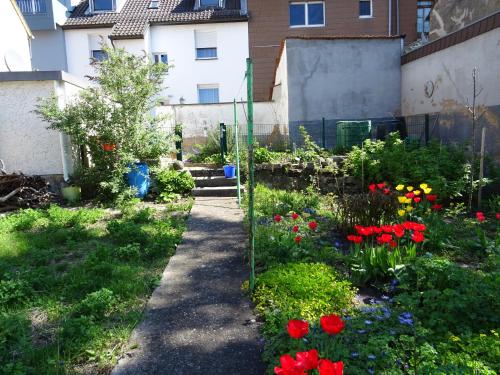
x: 251, y: 176
x: 236, y: 140
x: 426, y: 129
x: 323, y: 136
x: 481, y: 168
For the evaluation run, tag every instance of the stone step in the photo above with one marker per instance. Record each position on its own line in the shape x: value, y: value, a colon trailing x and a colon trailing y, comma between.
x: 205, y: 172
x: 219, y: 191
x: 214, y: 181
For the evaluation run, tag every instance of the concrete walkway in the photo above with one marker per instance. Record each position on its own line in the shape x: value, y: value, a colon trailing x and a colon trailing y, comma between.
x: 198, y: 321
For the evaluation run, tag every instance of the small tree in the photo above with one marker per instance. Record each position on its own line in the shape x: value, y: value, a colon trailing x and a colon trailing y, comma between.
x: 112, y: 120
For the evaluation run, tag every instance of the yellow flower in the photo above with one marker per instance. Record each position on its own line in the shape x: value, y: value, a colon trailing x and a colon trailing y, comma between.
x: 408, y: 200
x: 400, y: 187
x: 409, y: 208
x: 455, y: 338
x: 409, y: 188
x: 423, y: 186
x: 402, y: 200
x: 427, y: 191
x: 417, y: 192
x: 401, y: 212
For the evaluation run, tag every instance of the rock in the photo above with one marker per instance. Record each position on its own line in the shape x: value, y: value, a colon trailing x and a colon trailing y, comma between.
x: 178, y: 165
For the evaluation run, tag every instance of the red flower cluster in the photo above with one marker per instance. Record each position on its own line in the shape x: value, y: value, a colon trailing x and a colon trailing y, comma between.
x: 387, y: 234
x: 480, y: 217
x: 295, y: 216
x: 381, y: 186
x: 297, y: 328
x: 277, y: 218
x: 332, y: 324
x: 307, y: 361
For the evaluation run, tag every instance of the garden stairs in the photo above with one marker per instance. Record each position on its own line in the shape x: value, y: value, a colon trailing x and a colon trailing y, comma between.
x: 210, y: 181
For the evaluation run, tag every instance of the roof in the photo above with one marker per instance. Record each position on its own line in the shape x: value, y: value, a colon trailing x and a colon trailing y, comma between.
x: 135, y: 16
x: 21, y: 17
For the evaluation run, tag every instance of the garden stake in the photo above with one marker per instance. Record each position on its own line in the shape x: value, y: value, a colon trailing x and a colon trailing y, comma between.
x: 251, y: 217
x: 236, y: 138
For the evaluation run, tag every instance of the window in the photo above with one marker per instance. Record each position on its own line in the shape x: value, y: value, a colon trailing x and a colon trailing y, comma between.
x: 365, y: 9
x: 99, y: 55
x: 208, y: 94
x: 423, y: 12
x: 206, y: 45
x: 310, y: 14
x: 32, y: 6
x: 154, y: 4
x: 209, y: 3
x: 160, y: 58
x: 103, y: 5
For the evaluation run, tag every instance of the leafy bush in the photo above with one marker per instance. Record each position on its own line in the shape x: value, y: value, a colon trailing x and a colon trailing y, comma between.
x: 171, y: 182
x: 269, y: 202
x: 97, y: 305
x: 14, y: 292
x: 127, y: 252
x: 300, y: 291
x: 443, y: 167
x: 14, y: 341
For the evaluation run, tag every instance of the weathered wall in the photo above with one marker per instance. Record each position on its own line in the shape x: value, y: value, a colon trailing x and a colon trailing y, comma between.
x: 343, y: 78
x: 25, y: 143
x: 451, y: 15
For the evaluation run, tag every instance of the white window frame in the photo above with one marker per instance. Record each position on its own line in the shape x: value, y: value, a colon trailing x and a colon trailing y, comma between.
x: 211, y: 86
x: 91, y: 5
x: 371, y: 9
x: 306, y: 7
x: 199, y: 6
x: 159, y: 54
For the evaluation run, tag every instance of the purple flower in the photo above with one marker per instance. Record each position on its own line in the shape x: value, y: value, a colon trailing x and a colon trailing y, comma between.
x: 361, y: 331
x: 406, y: 319
x: 368, y: 322
x: 371, y: 371
x: 371, y: 357
x: 354, y: 355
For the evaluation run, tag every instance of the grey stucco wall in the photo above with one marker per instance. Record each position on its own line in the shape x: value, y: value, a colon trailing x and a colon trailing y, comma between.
x: 343, y: 79
x: 48, y: 50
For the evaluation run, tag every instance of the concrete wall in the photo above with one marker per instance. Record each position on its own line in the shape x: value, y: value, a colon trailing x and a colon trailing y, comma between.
x: 25, y: 143
x: 448, y: 16
x: 280, y: 89
x: 343, y: 78
x: 48, y: 50
x: 14, y: 40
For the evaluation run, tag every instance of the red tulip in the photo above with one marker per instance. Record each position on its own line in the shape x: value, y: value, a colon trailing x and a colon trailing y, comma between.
x: 297, y: 328
x: 373, y: 188
x: 480, y: 217
x: 387, y: 191
x: 393, y: 244
x: 289, y: 366
x: 295, y: 216
x: 497, y: 216
x: 385, y: 238
x: 399, y: 230
x: 410, y: 195
x: 295, y: 228
x: 313, y: 225
x: 381, y: 185
x: 363, y: 231
x: 437, y: 207
x: 277, y: 218
x: 417, y: 237
x: 297, y: 239
x: 332, y: 324
x: 355, y: 239
x: 387, y: 228
x: 411, y: 225
x: 417, y: 199
x: 327, y: 367
x: 308, y: 360
x: 431, y: 198
x: 376, y: 230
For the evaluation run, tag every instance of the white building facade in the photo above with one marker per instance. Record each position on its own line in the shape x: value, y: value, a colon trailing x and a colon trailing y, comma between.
x: 206, y: 47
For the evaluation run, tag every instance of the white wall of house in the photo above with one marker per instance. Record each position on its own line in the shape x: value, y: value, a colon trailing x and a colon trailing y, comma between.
x: 447, y: 74
x: 280, y: 90
x: 14, y: 40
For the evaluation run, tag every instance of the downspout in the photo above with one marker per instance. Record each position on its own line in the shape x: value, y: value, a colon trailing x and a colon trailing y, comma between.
x: 390, y: 18
x: 397, y: 17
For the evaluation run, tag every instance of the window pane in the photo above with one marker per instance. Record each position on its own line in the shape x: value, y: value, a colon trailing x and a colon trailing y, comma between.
x: 99, y: 55
x: 207, y: 96
x: 297, y: 14
x: 206, y: 53
x: 209, y: 3
x: 315, y: 14
x: 103, y: 4
x: 365, y: 8
x: 164, y: 59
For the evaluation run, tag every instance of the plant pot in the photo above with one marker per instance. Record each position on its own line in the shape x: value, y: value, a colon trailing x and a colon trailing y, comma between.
x: 139, y: 178
x: 71, y: 193
x: 229, y: 171
x: 109, y: 147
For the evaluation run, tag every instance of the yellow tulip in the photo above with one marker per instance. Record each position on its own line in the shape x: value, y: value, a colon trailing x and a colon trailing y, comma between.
x: 401, y: 212
x: 409, y: 208
x: 427, y: 191
x: 408, y: 200
x: 417, y: 192
x: 402, y: 200
x: 400, y: 187
x: 423, y: 186
x: 409, y: 188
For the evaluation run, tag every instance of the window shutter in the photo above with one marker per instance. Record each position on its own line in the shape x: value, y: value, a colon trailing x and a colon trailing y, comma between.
x: 206, y: 39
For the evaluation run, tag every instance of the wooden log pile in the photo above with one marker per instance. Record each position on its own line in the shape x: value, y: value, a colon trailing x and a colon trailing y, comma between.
x: 20, y: 191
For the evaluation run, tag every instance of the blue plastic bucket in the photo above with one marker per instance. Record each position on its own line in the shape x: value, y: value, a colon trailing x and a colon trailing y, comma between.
x: 229, y: 171
x: 138, y: 178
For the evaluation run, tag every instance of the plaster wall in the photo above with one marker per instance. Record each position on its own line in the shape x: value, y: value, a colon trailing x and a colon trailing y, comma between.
x: 280, y: 90
x: 343, y: 79
x: 48, y: 50
x: 14, y: 40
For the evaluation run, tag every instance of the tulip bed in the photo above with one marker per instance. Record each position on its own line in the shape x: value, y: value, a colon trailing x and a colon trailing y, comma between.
x: 425, y: 271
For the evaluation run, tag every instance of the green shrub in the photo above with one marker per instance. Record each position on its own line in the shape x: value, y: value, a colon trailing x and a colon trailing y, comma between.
x: 300, y: 290
x: 171, y: 182
x: 14, y: 292
x: 128, y: 252
x: 97, y: 305
x: 14, y: 342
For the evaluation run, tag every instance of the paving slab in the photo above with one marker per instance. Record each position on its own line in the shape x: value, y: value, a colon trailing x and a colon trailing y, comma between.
x: 198, y: 321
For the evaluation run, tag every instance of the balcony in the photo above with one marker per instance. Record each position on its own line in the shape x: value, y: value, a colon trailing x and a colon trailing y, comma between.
x: 29, y: 7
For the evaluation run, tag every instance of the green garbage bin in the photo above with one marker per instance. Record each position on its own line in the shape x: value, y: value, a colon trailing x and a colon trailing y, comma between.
x: 351, y: 133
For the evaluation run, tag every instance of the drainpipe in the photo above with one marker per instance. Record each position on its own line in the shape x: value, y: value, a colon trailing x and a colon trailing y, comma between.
x: 397, y: 17
x: 390, y: 18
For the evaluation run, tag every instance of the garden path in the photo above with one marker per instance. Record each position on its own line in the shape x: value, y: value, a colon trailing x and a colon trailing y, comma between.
x: 198, y: 321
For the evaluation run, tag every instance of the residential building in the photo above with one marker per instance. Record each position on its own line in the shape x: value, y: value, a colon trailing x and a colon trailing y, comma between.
x: 205, y: 41
x: 16, y: 38
x: 45, y: 18
x: 273, y: 21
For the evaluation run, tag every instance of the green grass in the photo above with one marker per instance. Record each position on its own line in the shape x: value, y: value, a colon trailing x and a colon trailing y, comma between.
x: 74, y: 283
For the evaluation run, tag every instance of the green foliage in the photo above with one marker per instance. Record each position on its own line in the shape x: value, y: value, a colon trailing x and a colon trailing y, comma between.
x: 171, y: 182
x: 14, y: 292
x: 269, y: 202
x: 97, y: 305
x: 445, y: 168
x: 114, y: 110
x: 300, y: 290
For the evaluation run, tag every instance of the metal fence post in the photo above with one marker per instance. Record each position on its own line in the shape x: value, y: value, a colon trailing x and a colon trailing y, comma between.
x: 426, y: 129
x: 251, y: 175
